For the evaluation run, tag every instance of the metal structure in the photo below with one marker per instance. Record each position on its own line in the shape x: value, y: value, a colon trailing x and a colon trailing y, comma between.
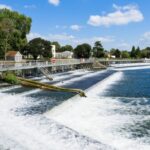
x: 6, y: 66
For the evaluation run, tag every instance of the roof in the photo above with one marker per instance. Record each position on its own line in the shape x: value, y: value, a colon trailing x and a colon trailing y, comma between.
x: 11, y: 53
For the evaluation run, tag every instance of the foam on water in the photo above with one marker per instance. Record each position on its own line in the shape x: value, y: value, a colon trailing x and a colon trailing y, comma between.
x: 84, y: 75
x: 95, y: 116
x: 35, y: 132
x: 132, y: 68
x: 60, y: 77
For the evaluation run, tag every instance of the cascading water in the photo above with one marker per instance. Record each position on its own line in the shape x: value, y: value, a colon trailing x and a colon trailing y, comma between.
x: 23, y: 125
x: 116, y: 111
x: 115, y: 115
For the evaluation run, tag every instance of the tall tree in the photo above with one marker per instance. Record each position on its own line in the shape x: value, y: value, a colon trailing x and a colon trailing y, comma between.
x: 125, y: 54
x: 116, y: 52
x: 38, y: 47
x: 98, y: 50
x: 83, y: 51
x: 13, y: 27
x: 6, y: 29
x: 66, y: 48
x: 133, y: 52
x: 138, y: 52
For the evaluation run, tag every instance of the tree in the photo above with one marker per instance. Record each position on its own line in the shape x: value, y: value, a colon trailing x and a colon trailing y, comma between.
x: 125, y: 54
x: 116, y: 52
x: 145, y: 53
x: 66, y: 48
x: 82, y: 51
x: 13, y: 30
x: 6, y: 29
x: 133, y: 52
x: 38, y: 47
x: 98, y: 50
x: 138, y: 53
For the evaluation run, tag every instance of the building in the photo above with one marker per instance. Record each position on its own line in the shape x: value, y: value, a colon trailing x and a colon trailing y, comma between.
x: 60, y: 55
x: 53, y: 51
x: 111, y: 56
x: 65, y: 55
x: 14, y: 56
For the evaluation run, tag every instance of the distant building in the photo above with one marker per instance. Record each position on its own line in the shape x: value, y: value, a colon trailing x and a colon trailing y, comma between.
x: 65, y: 54
x: 53, y: 51
x: 111, y: 56
x: 14, y: 56
x: 59, y: 55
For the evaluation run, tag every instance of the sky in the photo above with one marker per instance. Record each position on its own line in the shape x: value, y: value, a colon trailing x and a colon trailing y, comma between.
x: 116, y: 23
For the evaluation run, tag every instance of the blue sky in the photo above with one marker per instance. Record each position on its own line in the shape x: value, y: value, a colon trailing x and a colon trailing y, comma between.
x: 117, y: 23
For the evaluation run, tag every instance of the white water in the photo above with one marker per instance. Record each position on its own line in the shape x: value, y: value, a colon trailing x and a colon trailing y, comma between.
x: 32, y: 132
x: 84, y: 74
x: 94, y: 116
x: 134, y: 66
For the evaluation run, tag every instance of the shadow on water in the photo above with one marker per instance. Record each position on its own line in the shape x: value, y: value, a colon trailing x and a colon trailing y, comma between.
x: 46, y: 100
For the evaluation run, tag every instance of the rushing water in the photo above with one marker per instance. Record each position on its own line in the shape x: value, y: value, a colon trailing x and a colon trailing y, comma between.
x: 115, y: 114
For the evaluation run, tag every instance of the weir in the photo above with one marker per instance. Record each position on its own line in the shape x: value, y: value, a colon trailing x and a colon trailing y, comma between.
x: 102, y: 119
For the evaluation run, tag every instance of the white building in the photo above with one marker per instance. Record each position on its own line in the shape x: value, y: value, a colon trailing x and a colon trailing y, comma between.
x: 14, y: 56
x: 65, y: 54
x: 60, y: 55
x: 53, y: 51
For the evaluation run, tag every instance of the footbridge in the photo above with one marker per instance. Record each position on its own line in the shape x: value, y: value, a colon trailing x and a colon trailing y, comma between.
x: 10, y: 66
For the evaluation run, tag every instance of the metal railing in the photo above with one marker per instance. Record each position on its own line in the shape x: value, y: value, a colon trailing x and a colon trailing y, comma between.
x: 7, y: 65
x: 36, y: 64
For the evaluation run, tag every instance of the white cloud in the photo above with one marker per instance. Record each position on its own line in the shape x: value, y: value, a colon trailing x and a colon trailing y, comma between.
x: 124, y: 46
x: 29, y: 6
x: 54, y: 2
x: 31, y: 36
x: 61, y: 27
x: 51, y: 37
x: 121, y: 16
x: 145, y: 36
x: 92, y: 40
x: 60, y: 37
x: 75, y: 27
x: 3, y: 6
x: 144, y: 40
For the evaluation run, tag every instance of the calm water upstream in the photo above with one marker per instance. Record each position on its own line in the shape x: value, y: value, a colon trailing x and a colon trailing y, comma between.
x: 115, y: 114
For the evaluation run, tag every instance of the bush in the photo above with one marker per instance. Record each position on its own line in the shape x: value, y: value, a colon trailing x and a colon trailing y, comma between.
x: 10, y: 78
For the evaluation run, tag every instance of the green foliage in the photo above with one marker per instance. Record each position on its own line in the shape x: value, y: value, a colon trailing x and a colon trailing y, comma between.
x: 135, y: 52
x: 145, y: 53
x: 13, y: 30
x: 10, y: 78
x: 116, y: 53
x: 83, y: 51
x: 38, y: 47
x: 125, y: 54
x: 98, y: 50
x: 66, y: 48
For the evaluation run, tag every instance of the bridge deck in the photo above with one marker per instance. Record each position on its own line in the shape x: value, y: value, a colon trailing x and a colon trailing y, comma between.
x: 5, y: 66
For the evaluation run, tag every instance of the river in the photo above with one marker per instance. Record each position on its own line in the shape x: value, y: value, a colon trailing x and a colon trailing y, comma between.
x: 115, y: 114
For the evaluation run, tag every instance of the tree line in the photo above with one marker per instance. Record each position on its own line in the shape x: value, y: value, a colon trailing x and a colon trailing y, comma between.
x: 13, y: 30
